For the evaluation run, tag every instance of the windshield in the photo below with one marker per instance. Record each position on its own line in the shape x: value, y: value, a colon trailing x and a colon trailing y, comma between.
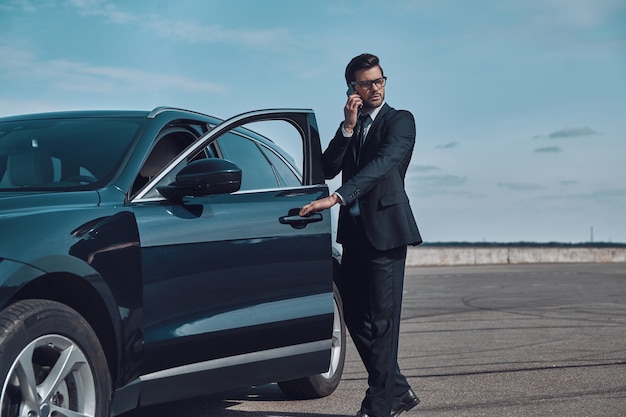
x: 62, y: 154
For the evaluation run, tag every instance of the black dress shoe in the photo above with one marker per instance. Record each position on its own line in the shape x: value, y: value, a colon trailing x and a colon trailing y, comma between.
x: 404, y: 402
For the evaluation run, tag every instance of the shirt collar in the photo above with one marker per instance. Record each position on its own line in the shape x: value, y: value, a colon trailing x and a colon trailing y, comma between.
x: 375, y: 112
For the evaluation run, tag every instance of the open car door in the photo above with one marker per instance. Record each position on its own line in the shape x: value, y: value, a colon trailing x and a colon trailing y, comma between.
x: 237, y: 286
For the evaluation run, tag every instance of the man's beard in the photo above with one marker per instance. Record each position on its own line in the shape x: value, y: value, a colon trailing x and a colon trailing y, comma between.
x: 370, y: 105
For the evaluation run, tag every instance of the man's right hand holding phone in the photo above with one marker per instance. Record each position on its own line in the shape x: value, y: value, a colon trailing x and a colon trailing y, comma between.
x: 351, y: 110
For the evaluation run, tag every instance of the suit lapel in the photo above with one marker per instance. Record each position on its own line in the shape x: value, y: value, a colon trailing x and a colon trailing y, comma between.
x: 372, y: 140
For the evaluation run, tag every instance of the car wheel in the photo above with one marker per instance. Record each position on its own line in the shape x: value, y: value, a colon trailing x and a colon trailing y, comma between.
x: 51, y: 363
x: 324, y: 384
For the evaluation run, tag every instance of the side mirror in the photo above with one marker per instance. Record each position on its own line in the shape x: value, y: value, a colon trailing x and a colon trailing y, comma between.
x: 204, y: 177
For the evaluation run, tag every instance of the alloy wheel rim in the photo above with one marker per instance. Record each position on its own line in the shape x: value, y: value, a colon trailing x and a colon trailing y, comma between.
x: 50, y: 375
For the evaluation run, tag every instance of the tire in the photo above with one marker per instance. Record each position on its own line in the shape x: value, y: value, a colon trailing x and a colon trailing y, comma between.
x: 324, y: 384
x: 51, y: 363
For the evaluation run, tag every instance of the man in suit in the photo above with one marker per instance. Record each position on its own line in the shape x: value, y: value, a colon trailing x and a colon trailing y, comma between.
x: 372, y: 148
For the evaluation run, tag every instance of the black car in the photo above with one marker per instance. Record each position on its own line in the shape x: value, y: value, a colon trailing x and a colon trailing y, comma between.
x: 150, y: 256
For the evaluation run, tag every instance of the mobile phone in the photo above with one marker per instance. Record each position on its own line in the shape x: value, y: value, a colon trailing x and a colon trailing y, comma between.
x: 352, y: 90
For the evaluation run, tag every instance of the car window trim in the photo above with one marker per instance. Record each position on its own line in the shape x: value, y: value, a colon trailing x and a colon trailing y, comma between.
x: 224, y: 127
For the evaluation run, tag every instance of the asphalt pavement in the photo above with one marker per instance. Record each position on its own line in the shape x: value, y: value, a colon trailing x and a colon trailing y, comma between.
x: 494, y: 341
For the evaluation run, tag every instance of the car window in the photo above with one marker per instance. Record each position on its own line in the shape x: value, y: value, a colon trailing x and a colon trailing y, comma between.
x: 170, y: 143
x: 256, y: 171
x: 286, y: 175
x: 62, y: 154
x: 263, y: 163
x: 284, y: 136
x: 280, y: 162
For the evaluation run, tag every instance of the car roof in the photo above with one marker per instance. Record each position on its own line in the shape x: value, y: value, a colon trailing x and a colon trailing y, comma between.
x: 136, y: 114
x: 77, y: 114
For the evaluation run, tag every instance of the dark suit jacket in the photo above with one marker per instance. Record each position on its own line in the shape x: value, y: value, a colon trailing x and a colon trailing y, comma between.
x: 378, y: 179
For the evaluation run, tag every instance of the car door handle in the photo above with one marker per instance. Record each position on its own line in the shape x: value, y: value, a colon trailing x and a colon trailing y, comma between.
x: 299, y: 222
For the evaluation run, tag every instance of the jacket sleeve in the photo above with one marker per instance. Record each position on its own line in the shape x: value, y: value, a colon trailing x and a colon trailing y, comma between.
x: 333, y: 155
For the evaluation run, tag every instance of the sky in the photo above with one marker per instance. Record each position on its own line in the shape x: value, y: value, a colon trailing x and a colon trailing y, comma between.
x: 520, y: 106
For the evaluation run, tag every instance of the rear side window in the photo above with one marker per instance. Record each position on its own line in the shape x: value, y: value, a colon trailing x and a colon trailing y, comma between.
x: 285, y: 174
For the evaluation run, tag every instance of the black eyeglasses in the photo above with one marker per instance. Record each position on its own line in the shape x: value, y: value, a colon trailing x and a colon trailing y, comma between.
x: 366, y: 85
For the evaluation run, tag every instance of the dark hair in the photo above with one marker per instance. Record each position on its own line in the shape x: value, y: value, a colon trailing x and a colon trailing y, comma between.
x: 361, y: 62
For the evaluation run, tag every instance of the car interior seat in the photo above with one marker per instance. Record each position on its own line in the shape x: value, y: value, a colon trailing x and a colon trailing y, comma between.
x: 30, y: 167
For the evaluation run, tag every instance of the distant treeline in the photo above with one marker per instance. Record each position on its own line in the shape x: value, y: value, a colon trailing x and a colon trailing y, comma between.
x: 530, y: 244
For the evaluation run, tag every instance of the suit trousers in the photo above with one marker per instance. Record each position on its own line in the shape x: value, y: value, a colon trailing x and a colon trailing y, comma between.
x: 371, y: 290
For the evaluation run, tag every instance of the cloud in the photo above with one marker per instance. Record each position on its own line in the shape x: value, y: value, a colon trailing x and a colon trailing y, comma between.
x: 569, y: 182
x: 12, y: 6
x: 85, y: 77
x: 581, y: 13
x: 442, y: 180
x: 423, y: 168
x: 548, y: 149
x: 601, y: 196
x: 185, y: 30
x: 25, y: 5
x: 194, y: 32
x: 424, y: 186
x: 103, y: 9
x: 520, y: 186
x: 571, y: 132
x: 607, y: 194
x: 70, y: 75
x: 449, y: 145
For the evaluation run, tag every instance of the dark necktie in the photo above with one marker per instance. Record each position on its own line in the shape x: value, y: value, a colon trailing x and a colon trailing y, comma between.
x: 354, y: 208
x: 361, y: 133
